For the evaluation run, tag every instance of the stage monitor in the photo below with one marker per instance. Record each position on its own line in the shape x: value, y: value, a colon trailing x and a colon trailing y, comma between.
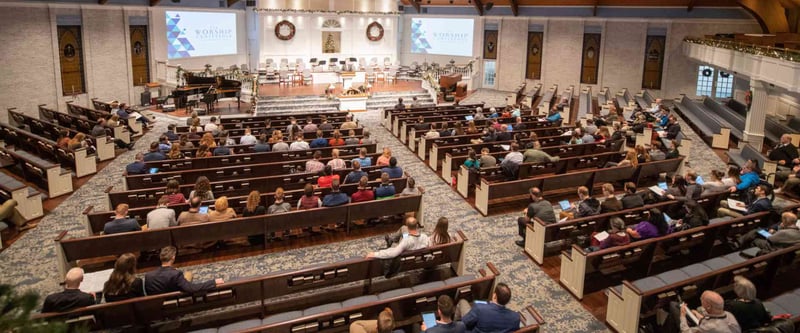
x: 196, y: 34
x: 446, y: 36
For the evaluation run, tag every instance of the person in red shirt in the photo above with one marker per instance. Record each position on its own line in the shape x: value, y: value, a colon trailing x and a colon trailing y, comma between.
x: 327, y: 178
x: 364, y: 193
x: 336, y: 140
x: 174, y: 193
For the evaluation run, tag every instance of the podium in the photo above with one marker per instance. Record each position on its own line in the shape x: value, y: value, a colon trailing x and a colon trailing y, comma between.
x: 347, y: 79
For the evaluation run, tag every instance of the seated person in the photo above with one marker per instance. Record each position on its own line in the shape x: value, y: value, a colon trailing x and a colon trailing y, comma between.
x: 711, y: 315
x: 221, y: 210
x: 616, y: 236
x: 785, y: 235
x: 694, y: 217
x: 166, y: 278
x: 162, y: 216
x: 363, y: 160
x: 472, y: 161
x: 654, y: 226
x: 537, y: 155
x: 123, y: 283
x: 137, y: 167
x: 121, y: 222
x: 193, y: 215
x: 154, y: 154
x: 631, y: 199
x: 355, y: 175
x: 314, y: 165
x: 364, y: 193
x: 386, y: 189
x: 538, y: 208
x: 487, y: 160
x: 327, y: 177
x: 445, y: 324
x: 750, y: 313
x: 491, y: 317
x: 585, y: 206
x: 760, y: 204
x: 393, y: 170
x: 72, y: 297
x: 414, y: 241
x: 335, y: 198
x: 611, y: 203
x: 384, y: 324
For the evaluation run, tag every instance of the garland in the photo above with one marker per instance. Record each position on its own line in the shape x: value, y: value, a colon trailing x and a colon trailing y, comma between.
x: 314, y: 11
x: 759, y: 50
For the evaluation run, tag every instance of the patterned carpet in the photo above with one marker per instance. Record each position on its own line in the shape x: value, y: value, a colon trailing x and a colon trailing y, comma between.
x: 30, y: 263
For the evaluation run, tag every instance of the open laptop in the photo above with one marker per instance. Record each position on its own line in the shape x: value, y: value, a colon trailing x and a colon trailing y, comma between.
x: 204, y: 209
x: 153, y: 170
x: 468, y: 118
x: 564, y: 204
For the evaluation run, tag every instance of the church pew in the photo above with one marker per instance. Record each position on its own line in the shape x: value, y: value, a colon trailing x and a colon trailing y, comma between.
x: 548, y: 100
x: 196, y: 142
x: 411, y: 128
x: 387, y: 114
x: 638, y: 300
x: 83, y: 118
x: 707, y: 127
x: 221, y: 172
x: 279, y: 116
x: 143, y: 203
x: 71, y: 250
x: 104, y: 145
x: 439, y: 148
x: 487, y: 194
x: 233, y: 187
x: 243, y: 157
x: 540, y: 235
x: 29, y: 200
x: 603, y: 97
x: 78, y: 160
x: 583, y: 273
x: 733, y: 118
x: 337, y: 312
x: 397, y: 119
x: 424, y: 145
x: 277, y: 124
x: 238, y: 132
x: 585, y: 103
x: 45, y: 174
x: 323, y: 279
x: 78, y: 110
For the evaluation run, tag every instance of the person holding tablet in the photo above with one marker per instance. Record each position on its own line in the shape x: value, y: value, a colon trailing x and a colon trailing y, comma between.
x: 445, y: 309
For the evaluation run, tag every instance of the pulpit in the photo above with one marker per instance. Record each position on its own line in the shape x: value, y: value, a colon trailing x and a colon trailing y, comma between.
x: 347, y: 79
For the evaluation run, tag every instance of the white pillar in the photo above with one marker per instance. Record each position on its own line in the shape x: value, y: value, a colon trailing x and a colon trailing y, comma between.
x: 756, y: 116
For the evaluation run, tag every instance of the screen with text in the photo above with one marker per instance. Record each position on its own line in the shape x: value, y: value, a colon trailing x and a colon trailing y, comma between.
x: 442, y: 36
x: 195, y: 34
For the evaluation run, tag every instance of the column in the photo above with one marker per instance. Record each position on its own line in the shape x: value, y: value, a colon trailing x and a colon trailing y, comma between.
x: 756, y: 116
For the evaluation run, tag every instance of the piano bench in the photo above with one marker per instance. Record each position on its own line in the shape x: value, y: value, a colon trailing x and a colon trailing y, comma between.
x: 168, y: 107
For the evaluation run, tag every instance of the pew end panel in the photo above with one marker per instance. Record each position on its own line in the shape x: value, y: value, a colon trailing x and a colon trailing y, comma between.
x: 623, y: 308
x: 136, y: 126
x: 462, y: 179
x: 71, y: 251
x: 573, y: 270
x: 535, y: 240
x: 120, y: 132
x: 721, y: 140
x: 84, y: 164
x: 105, y: 148
x: 29, y: 203
x: 433, y: 158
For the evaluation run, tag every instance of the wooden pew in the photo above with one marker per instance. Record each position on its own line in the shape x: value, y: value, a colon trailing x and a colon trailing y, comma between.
x: 540, y: 236
x: 79, y: 160
x: 246, y: 158
x: 71, y: 251
x: 239, y: 132
x: 446, y: 259
x: 387, y: 114
x: 708, y: 126
x: 486, y: 193
x: 547, y: 100
x: 585, y: 106
x: 29, y: 200
x: 135, y: 125
x: 82, y: 117
x: 583, y: 272
x: 423, y: 147
x: 278, y: 117
x: 637, y: 300
x: 43, y: 173
x: 214, y: 173
x: 397, y: 119
x: 104, y: 145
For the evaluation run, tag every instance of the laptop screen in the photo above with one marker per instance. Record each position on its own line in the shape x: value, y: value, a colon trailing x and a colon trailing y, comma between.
x: 204, y: 209
x: 662, y: 185
x: 564, y: 204
x: 153, y: 170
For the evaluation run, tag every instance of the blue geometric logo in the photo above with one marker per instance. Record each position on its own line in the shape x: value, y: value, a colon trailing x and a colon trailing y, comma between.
x: 419, y: 44
x: 177, y: 44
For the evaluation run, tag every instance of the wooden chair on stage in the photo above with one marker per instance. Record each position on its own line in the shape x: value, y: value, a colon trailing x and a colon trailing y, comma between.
x: 387, y: 63
x: 370, y: 76
x: 307, y: 77
x: 321, y: 65
x: 391, y: 75
x: 362, y: 63
x: 283, y: 77
x: 297, y: 77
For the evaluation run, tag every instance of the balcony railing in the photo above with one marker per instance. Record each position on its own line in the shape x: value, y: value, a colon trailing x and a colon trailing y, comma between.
x: 760, y: 50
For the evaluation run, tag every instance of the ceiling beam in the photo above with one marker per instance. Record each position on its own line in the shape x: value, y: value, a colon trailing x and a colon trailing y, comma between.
x: 478, y: 6
x: 771, y: 16
x: 414, y: 4
x: 690, y: 5
x: 515, y: 7
x: 232, y: 2
x: 154, y: 2
x: 102, y: 2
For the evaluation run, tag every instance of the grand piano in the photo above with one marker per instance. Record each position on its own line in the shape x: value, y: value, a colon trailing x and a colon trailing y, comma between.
x: 210, y: 88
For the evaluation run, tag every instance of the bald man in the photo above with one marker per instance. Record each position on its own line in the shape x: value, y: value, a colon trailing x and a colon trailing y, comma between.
x: 712, y: 317
x: 72, y: 297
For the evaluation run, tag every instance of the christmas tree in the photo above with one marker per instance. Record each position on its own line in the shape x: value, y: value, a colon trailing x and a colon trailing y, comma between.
x: 330, y: 45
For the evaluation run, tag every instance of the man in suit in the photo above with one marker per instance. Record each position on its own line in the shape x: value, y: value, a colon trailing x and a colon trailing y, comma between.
x: 493, y: 316
x: 72, y: 297
x: 121, y: 222
x: 786, y: 155
x: 137, y: 167
x: 167, y: 279
x: 760, y: 204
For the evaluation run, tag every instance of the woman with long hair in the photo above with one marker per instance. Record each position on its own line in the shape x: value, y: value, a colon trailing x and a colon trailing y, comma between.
x: 174, y: 152
x: 440, y: 234
x: 471, y: 128
x: 472, y: 161
x: 383, y: 160
x: 123, y: 283
x: 202, y: 189
x: 642, y: 154
x: 678, y: 187
x: 253, y: 206
x: 173, y: 193
x: 714, y: 183
x: 203, y: 151
x: 77, y: 141
x: 208, y: 140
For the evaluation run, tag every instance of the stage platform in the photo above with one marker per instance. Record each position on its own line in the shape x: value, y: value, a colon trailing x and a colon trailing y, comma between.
x: 266, y: 90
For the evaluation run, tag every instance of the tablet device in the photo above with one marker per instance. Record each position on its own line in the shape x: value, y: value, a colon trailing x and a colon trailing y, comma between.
x: 662, y: 185
x: 204, y: 209
x: 564, y: 204
x: 480, y: 301
x: 764, y: 233
x: 510, y: 128
x: 405, y: 235
x: 153, y: 170
x: 667, y: 218
x: 699, y: 180
x: 429, y: 318
x: 468, y: 118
